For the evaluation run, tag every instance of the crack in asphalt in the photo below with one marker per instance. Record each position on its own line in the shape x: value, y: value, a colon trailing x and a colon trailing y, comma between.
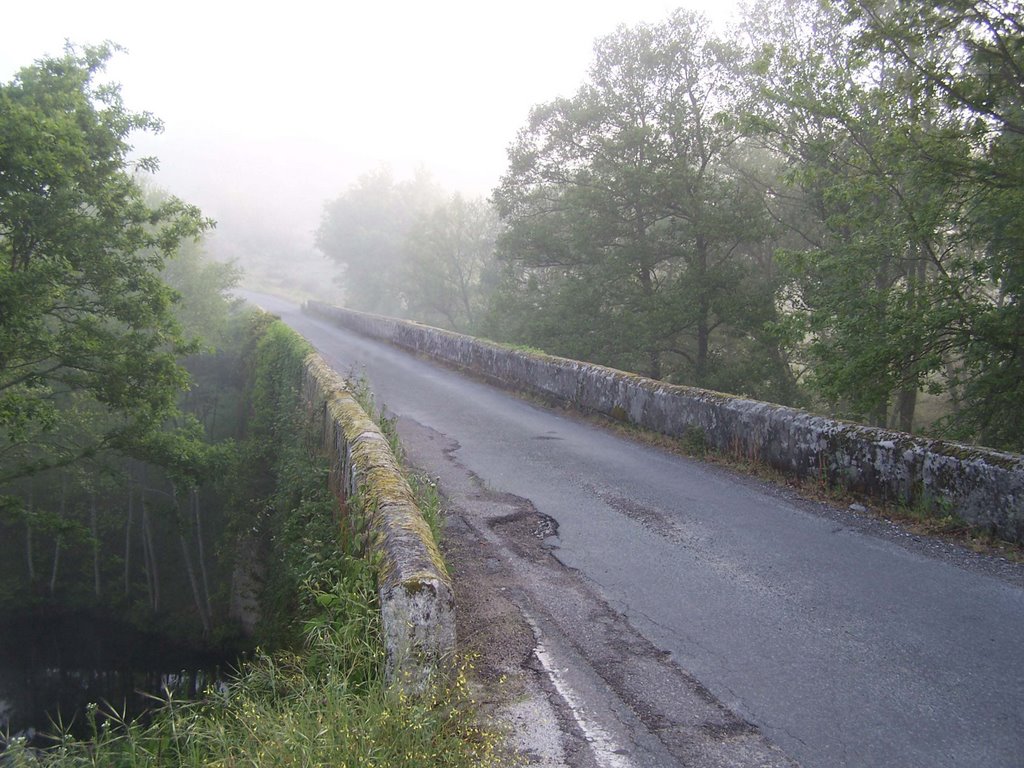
x: 672, y: 719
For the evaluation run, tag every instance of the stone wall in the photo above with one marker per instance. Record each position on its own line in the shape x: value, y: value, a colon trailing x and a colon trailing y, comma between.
x: 983, y: 486
x: 417, y: 602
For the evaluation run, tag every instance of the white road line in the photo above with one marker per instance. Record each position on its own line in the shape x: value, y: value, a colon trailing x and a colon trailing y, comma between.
x: 607, y: 752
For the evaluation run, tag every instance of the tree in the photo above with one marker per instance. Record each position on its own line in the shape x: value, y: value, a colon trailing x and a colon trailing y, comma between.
x: 200, y: 286
x: 898, y: 126
x: 971, y: 55
x: 449, y: 268
x: 107, y: 468
x: 630, y: 231
x: 365, y: 230
x: 82, y: 306
x: 866, y: 284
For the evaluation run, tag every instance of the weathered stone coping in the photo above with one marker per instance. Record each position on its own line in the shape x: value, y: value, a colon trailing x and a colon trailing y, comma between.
x: 416, y: 597
x: 985, y: 487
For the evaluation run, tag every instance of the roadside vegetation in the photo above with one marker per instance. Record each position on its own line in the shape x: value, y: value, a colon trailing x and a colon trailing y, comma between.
x: 928, y: 517
x: 118, y: 403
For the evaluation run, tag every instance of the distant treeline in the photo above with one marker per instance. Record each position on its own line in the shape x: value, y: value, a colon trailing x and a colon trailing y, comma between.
x: 821, y: 207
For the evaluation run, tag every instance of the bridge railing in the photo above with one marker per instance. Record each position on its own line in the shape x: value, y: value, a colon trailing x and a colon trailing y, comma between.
x: 983, y: 486
x: 416, y: 597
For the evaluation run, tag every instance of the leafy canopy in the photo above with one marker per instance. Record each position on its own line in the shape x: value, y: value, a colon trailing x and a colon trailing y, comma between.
x: 631, y: 238
x: 83, y: 309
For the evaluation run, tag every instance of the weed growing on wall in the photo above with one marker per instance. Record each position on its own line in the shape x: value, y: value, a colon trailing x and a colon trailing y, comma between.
x: 429, y: 501
x: 360, y: 388
x: 424, y: 489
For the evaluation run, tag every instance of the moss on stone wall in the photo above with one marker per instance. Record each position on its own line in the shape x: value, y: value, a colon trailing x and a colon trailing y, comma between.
x: 415, y: 589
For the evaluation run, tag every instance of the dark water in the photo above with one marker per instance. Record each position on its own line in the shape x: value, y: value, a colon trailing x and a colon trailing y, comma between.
x: 53, y: 666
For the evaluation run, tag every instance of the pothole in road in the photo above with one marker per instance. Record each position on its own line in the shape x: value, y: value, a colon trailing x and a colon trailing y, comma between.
x: 527, y: 522
x: 500, y: 549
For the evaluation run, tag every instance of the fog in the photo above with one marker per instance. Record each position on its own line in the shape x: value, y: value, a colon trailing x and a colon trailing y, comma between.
x: 271, y: 111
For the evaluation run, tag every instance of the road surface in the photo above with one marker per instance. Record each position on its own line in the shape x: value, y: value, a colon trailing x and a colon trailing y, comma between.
x: 658, y: 580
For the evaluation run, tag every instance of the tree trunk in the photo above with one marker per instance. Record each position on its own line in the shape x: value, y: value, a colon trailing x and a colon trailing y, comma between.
x: 28, y: 554
x: 29, y: 559
x: 57, y: 542
x: 56, y: 565
x: 906, y: 403
x: 210, y: 429
x: 880, y: 416
x: 128, y: 534
x: 906, y: 400
x: 467, y: 302
x: 95, y: 529
x: 953, y: 387
x: 202, y: 550
x: 703, y: 336
x: 149, y: 559
x: 190, y: 570
x: 653, y: 353
x: 204, y: 617
x: 703, y: 314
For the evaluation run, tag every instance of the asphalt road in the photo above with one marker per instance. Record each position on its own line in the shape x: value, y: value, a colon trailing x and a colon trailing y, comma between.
x: 844, y: 645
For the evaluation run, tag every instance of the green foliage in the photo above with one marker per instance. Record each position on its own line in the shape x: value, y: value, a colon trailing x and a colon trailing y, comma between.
x: 279, y: 483
x: 823, y: 208
x: 91, y: 348
x: 970, y: 55
x: 429, y: 501
x: 898, y: 123
x: 200, y: 287
x: 82, y: 305
x: 124, y: 530
x: 632, y: 239
x: 411, y: 251
x: 694, y: 441
x: 364, y: 396
x: 449, y: 269
x: 365, y: 231
x: 864, y: 280
x: 327, y: 705
x: 97, y: 459
x: 322, y: 698
x: 424, y: 489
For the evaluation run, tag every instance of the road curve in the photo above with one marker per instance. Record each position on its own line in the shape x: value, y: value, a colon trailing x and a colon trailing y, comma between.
x: 845, y: 645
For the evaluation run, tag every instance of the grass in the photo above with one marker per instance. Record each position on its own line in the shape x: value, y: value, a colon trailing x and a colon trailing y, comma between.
x: 360, y: 389
x: 520, y: 348
x: 326, y: 704
x: 423, y: 487
x: 429, y: 500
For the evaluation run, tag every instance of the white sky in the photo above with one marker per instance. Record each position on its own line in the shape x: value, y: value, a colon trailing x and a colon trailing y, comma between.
x: 271, y: 110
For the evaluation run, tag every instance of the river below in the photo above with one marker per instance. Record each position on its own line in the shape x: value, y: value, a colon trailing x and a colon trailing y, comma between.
x: 52, y: 666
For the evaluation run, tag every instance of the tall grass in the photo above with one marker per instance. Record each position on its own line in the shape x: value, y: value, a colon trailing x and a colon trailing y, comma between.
x: 326, y: 704
x: 424, y: 489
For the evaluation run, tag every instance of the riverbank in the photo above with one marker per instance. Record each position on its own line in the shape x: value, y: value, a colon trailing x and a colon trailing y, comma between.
x: 324, y: 698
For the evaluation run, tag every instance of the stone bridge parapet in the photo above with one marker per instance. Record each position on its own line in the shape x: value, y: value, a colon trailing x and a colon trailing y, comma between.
x: 985, y: 487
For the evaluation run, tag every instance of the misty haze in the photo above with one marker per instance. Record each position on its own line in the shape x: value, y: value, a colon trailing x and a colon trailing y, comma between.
x: 566, y: 383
